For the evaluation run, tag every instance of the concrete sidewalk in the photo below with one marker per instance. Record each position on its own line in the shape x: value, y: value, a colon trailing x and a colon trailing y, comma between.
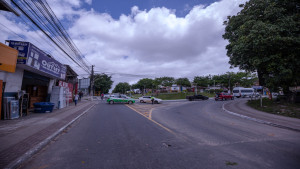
x: 21, y: 138
x: 240, y: 108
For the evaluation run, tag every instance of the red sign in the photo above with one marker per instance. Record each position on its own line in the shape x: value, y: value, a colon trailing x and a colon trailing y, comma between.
x: 62, y: 84
x: 70, y: 95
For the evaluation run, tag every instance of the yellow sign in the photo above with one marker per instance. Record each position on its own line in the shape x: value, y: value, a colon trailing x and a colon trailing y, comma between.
x: 8, y: 58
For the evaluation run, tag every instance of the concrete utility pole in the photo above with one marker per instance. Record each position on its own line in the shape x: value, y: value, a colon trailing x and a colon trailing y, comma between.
x: 92, y: 82
x: 229, y: 85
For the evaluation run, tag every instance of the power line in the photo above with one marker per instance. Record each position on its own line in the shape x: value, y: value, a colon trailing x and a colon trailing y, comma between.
x: 42, y: 16
x: 12, y: 31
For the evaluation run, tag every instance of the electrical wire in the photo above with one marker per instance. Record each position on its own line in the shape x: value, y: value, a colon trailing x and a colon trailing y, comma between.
x: 42, y: 16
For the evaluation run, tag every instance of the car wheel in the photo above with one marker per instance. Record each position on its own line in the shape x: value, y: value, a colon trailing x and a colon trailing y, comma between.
x: 141, y: 101
x: 232, y: 98
x: 111, y: 102
x: 129, y: 102
x: 155, y: 102
x: 223, y: 99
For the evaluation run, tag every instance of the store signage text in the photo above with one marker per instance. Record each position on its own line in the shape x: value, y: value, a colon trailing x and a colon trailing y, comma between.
x: 51, y: 66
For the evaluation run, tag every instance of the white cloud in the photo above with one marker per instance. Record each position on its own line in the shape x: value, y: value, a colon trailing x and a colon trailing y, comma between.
x: 155, y: 42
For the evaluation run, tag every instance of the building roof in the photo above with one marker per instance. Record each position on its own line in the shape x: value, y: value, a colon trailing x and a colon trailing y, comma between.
x: 71, y: 72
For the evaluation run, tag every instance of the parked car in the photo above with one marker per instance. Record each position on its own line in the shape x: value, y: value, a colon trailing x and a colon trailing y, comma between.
x: 147, y: 99
x: 120, y: 99
x: 196, y: 97
x: 223, y: 96
x: 106, y: 96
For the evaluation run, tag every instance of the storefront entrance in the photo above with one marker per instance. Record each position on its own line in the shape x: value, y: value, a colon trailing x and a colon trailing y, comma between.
x: 36, y: 86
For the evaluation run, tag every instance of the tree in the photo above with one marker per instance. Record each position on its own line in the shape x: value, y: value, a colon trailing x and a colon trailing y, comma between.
x: 102, y: 82
x: 203, y: 81
x: 121, y: 88
x: 183, y: 82
x: 244, y: 79
x: 164, y: 81
x: 145, y: 83
x: 264, y: 37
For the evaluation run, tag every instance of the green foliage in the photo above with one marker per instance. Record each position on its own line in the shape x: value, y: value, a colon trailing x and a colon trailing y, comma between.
x: 274, y: 107
x: 145, y: 83
x: 225, y: 80
x: 202, y: 81
x: 183, y: 82
x: 121, y: 88
x: 264, y: 37
x: 102, y: 83
x: 241, y: 79
x: 164, y: 81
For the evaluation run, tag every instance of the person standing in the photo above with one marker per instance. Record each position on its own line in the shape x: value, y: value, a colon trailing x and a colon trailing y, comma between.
x: 152, y: 99
x: 76, y: 98
x: 102, y: 96
x: 80, y: 95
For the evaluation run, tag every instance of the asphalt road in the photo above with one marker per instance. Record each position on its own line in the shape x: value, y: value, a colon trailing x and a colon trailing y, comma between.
x: 181, y: 135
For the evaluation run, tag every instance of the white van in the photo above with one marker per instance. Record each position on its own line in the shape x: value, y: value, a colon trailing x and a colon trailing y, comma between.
x: 242, y: 92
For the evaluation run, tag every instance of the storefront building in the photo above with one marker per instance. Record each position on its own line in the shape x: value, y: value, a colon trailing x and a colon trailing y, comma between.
x: 35, y: 74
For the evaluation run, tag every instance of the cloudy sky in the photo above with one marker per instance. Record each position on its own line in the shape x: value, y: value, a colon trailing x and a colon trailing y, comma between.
x: 134, y: 39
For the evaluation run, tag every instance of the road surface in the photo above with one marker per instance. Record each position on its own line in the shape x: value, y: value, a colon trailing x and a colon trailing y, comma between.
x: 172, y: 135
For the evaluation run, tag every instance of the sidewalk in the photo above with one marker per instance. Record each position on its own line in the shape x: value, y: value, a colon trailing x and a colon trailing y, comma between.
x: 21, y: 138
x: 240, y: 108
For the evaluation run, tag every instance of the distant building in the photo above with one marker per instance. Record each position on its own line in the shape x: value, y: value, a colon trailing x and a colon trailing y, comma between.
x: 84, y: 85
x: 137, y: 91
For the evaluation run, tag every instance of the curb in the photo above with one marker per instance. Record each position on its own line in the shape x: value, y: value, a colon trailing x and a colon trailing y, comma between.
x: 19, y: 161
x: 258, y: 120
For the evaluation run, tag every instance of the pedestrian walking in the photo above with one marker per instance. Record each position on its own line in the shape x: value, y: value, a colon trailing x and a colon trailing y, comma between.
x: 102, y: 96
x: 76, y: 98
x: 80, y: 95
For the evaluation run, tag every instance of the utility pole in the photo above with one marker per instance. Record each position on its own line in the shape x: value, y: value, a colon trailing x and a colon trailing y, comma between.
x: 130, y: 90
x: 229, y: 85
x: 92, y: 82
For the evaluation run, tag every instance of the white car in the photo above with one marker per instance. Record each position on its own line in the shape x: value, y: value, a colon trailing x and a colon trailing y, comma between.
x: 147, y: 99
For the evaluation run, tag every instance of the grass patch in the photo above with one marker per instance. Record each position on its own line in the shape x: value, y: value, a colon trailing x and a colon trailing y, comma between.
x: 174, y: 96
x: 274, y: 107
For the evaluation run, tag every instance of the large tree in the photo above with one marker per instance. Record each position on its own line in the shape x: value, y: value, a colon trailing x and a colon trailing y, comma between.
x: 121, y: 88
x: 144, y: 83
x: 102, y: 83
x: 203, y: 81
x: 183, y: 82
x: 164, y: 81
x: 264, y: 37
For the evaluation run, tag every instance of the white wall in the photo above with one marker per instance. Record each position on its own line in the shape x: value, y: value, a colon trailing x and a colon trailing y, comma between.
x: 13, y: 80
x: 51, y: 84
